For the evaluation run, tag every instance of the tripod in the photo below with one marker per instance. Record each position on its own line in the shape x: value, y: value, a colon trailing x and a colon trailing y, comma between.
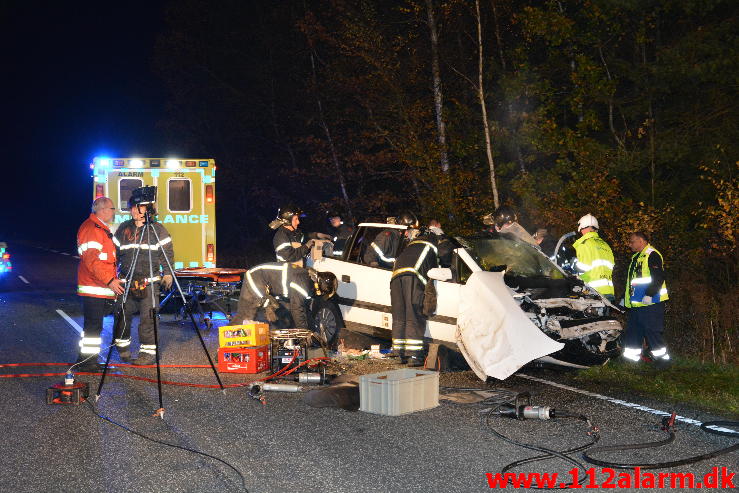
x: 148, y: 229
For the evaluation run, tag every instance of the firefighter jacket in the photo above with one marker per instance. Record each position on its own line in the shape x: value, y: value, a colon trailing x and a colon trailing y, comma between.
x: 383, y: 248
x: 595, y: 262
x: 129, y: 240
x: 339, y: 236
x: 97, y: 259
x: 284, y: 280
x: 417, y: 258
x: 645, y: 277
x: 288, y: 245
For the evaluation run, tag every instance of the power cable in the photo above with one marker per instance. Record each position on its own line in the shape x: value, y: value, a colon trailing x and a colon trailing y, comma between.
x: 173, y: 445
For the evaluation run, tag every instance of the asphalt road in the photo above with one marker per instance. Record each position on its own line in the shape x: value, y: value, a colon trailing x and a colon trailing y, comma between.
x: 283, y: 446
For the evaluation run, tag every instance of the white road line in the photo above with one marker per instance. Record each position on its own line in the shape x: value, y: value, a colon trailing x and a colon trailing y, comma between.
x: 75, y: 256
x: 71, y: 322
x: 689, y: 421
x: 64, y: 253
x: 23, y: 279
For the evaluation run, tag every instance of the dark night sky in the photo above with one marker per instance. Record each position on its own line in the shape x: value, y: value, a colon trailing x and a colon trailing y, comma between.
x: 78, y: 82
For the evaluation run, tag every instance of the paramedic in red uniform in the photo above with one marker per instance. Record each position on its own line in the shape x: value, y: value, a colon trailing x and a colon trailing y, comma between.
x: 97, y: 280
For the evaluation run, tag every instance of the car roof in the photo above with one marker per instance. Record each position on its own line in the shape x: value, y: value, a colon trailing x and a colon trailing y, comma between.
x: 384, y: 225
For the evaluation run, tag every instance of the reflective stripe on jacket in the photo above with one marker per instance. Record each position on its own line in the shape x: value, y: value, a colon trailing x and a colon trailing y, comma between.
x: 418, y: 257
x: 279, y: 278
x: 639, y: 278
x: 595, y: 262
x: 132, y: 239
x: 97, y: 259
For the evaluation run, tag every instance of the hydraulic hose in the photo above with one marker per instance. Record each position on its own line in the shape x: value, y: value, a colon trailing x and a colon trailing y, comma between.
x: 548, y: 453
x: 663, y: 465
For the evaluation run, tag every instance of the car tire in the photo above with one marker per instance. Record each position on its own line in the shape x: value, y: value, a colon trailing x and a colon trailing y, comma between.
x: 327, y: 321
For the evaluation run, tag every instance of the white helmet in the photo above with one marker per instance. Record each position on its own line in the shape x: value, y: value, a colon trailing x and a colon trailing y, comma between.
x: 586, y: 221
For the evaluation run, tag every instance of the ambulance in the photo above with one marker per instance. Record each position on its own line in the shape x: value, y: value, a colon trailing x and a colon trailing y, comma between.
x: 185, y: 200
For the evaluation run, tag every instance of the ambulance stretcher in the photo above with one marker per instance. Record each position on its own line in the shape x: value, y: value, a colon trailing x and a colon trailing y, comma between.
x: 216, y: 287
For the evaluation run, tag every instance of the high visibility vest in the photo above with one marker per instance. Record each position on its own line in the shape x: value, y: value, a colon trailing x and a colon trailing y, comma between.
x: 639, y: 278
x: 595, y: 262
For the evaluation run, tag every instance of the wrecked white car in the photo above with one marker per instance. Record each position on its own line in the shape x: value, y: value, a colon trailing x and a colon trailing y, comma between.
x: 501, y: 302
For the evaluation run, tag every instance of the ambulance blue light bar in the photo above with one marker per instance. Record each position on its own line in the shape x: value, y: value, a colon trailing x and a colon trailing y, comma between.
x: 155, y: 163
x: 203, y: 164
x: 102, y: 161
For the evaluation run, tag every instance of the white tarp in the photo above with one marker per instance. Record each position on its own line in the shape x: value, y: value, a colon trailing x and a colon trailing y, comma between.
x: 493, y: 333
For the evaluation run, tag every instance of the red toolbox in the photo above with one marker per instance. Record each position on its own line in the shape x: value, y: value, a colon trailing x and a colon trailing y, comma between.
x: 253, y: 359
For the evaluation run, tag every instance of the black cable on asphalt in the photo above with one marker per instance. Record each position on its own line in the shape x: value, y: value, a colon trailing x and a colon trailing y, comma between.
x: 548, y: 453
x: 173, y: 445
x: 669, y: 439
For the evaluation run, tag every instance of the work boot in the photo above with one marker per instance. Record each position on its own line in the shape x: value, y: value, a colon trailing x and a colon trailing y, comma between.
x: 415, y: 361
x: 124, y: 354
x: 145, y: 359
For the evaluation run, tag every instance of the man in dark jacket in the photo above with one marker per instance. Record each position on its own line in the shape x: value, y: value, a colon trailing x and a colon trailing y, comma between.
x: 338, y: 233
x: 130, y: 237
x: 407, y: 287
x: 381, y: 252
x: 266, y: 283
x: 288, y: 239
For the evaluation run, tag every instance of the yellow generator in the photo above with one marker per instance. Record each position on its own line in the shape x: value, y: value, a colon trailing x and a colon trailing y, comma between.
x: 185, y: 200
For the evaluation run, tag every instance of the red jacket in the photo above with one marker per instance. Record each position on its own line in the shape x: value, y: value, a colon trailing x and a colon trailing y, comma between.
x: 97, y: 259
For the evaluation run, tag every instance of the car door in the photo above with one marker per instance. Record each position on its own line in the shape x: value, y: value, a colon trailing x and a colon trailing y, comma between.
x: 364, y: 291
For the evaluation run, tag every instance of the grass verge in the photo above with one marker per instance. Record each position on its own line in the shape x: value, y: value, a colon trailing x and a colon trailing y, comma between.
x: 710, y: 387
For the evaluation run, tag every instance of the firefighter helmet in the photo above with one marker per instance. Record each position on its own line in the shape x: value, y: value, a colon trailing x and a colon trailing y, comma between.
x: 588, y: 220
x: 407, y: 218
x: 504, y: 215
x: 286, y: 213
x: 325, y: 283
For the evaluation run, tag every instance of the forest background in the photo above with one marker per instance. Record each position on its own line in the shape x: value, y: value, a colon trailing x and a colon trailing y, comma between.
x: 625, y: 109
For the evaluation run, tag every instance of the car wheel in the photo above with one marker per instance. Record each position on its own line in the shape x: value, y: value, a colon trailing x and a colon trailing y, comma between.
x: 327, y: 321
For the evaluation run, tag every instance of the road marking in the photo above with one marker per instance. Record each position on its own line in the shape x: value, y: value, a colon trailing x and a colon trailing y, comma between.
x: 54, y: 251
x: 620, y: 402
x: 64, y: 253
x: 23, y: 279
x: 75, y: 256
x: 71, y: 322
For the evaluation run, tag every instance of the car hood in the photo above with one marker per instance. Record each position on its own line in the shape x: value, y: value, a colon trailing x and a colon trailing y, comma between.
x: 494, y: 335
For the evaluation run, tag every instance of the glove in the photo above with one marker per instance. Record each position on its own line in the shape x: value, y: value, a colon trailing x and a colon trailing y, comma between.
x: 310, y: 243
x: 647, y: 300
x: 622, y: 302
x: 167, y: 281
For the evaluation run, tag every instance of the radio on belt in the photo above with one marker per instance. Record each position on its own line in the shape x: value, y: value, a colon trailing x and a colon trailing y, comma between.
x: 289, y: 345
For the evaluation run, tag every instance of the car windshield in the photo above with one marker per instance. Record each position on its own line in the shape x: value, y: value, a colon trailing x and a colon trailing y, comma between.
x: 496, y: 251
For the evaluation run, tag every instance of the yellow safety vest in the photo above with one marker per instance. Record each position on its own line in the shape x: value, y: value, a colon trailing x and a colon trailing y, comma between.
x: 639, y: 278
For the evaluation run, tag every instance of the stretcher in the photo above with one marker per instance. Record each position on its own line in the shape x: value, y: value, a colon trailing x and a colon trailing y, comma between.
x: 210, y: 288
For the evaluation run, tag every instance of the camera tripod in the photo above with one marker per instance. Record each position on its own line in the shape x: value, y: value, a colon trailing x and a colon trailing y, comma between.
x: 144, y: 242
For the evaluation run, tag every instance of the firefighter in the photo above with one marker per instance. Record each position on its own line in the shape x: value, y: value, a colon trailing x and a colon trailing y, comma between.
x: 407, y: 287
x: 505, y: 220
x: 130, y: 237
x: 645, y: 296
x: 338, y: 233
x: 288, y: 239
x: 266, y: 283
x: 97, y: 282
x: 444, y: 243
x: 381, y: 252
x: 594, y: 258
